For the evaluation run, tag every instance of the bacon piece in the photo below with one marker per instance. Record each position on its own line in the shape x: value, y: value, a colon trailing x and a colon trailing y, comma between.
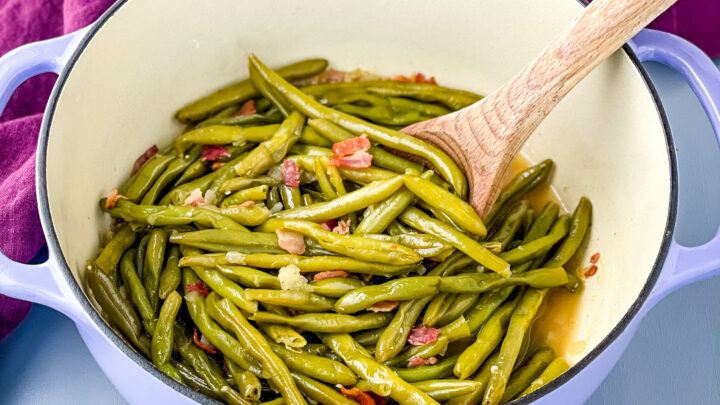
x: 248, y: 204
x: 195, y: 199
x: 357, y: 160
x: 113, y: 197
x: 217, y: 165
x: 418, y: 361
x: 206, y: 346
x: 384, y: 306
x: 594, y: 258
x: 291, y: 241
x: 378, y: 399
x: 331, y: 274
x: 351, y: 146
x: 214, y: 152
x: 247, y: 109
x: 414, y: 78
x: 361, y: 397
x: 150, y: 152
x: 342, y: 227
x: 329, y: 224
x: 590, y: 271
x: 199, y: 287
x: 291, y: 173
x: 421, y: 335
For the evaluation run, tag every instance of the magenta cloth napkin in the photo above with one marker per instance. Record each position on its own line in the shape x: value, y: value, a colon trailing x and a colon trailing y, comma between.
x: 695, y: 20
x: 23, y: 21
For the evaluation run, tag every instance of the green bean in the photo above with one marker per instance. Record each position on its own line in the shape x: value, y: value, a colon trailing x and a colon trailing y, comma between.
x: 272, y: 151
x: 401, y: 289
x: 511, y: 224
x: 350, y: 202
x: 320, y: 392
x: 310, y: 150
x: 581, y: 221
x: 459, y: 211
x: 248, y: 385
x: 252, y: 340
x: 345, y: 97
x: 317, y: 367
x: 310, y: 136
x: 485, y: 307
x: 283, y: 335
x: 172, y: 215
x: 487, y: 340
x: 369, y: 337
x: 443, y: 390
x: 399, y: 103
x: 537, y: 247
x: 226, y: 288
x: 442, y: 369
x: 543, y: 223
x: 459, y: 305
x: 451, y: 265
x: 421, y: 221
x: 241, y: 183
x: 193, y: 380
x: 170, y: 370
x: 437, y: 307
x: 230, y: 347
x: 335, y: 287
x: 290, y: 197
x: 551, y: 372
x: 386, y: 212
x: 244, y: 90
x: 525, y: 374
x: 306, y: 264
x: 249, y: 216
x: 394, y: 336
x: 356, y: 247
x: 519, y: 186
x: 249, y: 277
x: 178, y: 194
x: 520, y: 322
x: 202, y: 365
x: 196, y: 169
x: 257, y: 193
x: 170, y: 276
x: 300, y: 300
x: 235, y: 241
x: 119, y: 311
x: 173, y: 170
x: 108, y: 259
x: 268, y: 92
x: 140, y: 255
x: 327, y: 322
x: 482, y: 378
x: 154, y: 259
x: 162, y: 340
x: 271, y: 116
x: 323, y: 182
x: 482, y: 282
x: 393, y: 139
x: 452, y: 332
x: 138, y: 296
x: 423, y: 244
x: 368, y: 369
x: 141, y: 182
x: 382, y: 115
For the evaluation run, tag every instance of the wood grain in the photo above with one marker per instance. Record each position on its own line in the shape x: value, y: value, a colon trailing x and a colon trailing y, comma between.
x: 485, y: 138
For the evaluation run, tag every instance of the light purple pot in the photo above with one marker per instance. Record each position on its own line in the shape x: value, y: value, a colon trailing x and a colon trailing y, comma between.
x: 48, y: 284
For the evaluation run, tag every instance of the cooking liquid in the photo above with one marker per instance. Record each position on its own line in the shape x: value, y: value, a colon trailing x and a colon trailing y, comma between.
x: 555, y: 326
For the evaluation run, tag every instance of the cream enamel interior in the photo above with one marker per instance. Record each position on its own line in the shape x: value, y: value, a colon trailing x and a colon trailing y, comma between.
x: 152, y: 57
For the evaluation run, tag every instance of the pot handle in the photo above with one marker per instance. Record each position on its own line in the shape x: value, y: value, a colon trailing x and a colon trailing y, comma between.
x: 684, y: 264
x: 37, y: 283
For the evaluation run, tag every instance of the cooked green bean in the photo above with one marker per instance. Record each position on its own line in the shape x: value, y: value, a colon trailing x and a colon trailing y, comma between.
x: 247, y: 215
x: 327, y: 322
x: 393, y: 139
x: 423, y: 244
x: 257, y: 193
x: 442, y: 390
x: 441, y: 369
x: 452, y: 332
x: 537, y: 247
x: 511, y: 224
x: 138, y: 296
x: 193, y: 380
x: 459, y: 305
x: 141, y: 182
x: 520, y: 322
x: 197, y: 169
x: 241, y: 183
x: 306, y: 264
x: 581, y: 220
x: 551, y: 372
x: 519, y: 186
x: 109, y: 257
x: 248, y: 385
x: 244, y: 90
x: 171, y: 275
x: 300, y: 300
x: 368, y: 369
x: 226, y: 288
x: 401, y: 289
x: 272, y: 151
x: 173, y: 215
x: 154, y: 259
x: 481, y: 378
x: 229, y: 241
x: 252, y: 340
x: 542, y: 224
x: 162, y: 340
x: 173, y: 170
x: 394, y: 336
x: 335, y: 287
x: 320, y: 392
x: 140, y: 255
x: 317, y: 367
x: 527, y: 373
x: 482, y: 282
x: 249, y: 277
x: 437, y: 307
x: 421, y: 221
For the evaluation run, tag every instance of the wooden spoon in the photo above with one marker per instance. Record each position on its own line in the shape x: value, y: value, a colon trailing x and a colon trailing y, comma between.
x: 485, y: 137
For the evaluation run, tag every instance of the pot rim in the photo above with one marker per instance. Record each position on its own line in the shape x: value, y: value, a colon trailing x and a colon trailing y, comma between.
x: 146, y: 364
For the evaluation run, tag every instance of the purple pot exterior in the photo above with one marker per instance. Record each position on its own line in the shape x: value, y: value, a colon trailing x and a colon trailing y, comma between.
x: 47, y: 285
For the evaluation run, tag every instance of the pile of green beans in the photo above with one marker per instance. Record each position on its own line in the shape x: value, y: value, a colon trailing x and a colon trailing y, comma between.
x: 197, y: 273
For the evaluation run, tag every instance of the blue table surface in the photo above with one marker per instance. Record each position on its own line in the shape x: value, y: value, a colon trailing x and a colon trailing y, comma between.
x: 673, y: 359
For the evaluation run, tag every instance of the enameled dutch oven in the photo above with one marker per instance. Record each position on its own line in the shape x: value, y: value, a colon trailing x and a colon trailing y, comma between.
x: 122, y: 79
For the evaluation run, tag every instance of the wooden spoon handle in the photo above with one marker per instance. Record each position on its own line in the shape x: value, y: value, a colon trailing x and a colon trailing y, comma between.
x: 523, y: 102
